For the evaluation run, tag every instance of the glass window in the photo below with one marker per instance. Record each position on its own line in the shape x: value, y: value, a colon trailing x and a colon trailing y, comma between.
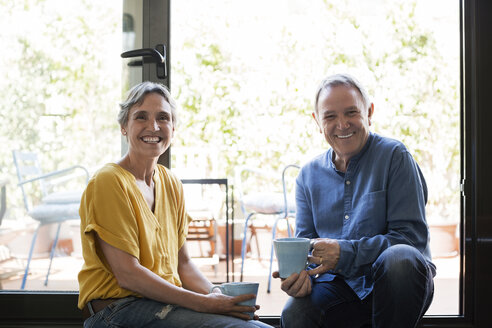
x: 244, y: 76
x: 245, y: 73
x: 61, y: 88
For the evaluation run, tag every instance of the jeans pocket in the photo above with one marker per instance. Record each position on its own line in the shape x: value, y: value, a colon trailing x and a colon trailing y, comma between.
x: 132, y: 312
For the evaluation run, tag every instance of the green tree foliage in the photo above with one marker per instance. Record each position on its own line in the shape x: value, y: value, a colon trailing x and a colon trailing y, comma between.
x: 255, y: 108
x: 61, y: 83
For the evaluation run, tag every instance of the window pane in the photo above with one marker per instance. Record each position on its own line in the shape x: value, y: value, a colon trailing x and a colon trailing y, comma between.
x: 61, y: 87
x: 245, y: 73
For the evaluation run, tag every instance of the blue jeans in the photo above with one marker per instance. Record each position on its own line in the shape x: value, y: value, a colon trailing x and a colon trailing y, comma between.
x: 133, y: 312
x: 402, y: 292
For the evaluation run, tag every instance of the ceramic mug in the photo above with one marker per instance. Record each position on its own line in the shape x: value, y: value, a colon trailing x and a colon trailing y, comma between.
x: 240, y: 288
x: 292, y: 255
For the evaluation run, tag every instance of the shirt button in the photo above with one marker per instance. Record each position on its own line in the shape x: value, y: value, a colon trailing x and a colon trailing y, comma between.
x: 346, y: 217
x: 347, y: 182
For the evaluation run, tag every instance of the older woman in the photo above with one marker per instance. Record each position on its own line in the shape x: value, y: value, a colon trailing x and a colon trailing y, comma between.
x: 137, y: 271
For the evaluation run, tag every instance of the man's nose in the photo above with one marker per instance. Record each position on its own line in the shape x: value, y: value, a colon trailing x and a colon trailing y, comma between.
x: 343, y: 123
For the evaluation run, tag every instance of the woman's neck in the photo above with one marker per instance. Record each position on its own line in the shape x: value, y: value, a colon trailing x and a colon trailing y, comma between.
x: 142, y: 169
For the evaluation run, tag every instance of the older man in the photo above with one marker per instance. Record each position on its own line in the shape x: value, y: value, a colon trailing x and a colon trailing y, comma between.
x: 363, y: 201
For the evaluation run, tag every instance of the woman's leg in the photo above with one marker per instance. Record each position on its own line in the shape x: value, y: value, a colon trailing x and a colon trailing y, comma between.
x: 140, y: 312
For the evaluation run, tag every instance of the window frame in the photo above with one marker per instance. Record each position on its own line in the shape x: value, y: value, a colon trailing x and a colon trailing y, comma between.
x: 58, y: 309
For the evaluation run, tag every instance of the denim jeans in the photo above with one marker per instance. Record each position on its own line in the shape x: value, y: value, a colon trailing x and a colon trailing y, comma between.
x: 133, y: 312
x: 402, y: 292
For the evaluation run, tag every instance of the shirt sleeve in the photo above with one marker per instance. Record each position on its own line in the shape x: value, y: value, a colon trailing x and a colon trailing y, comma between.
x: 304, y: 216
x: 405, y: 197
x: 112, y: 214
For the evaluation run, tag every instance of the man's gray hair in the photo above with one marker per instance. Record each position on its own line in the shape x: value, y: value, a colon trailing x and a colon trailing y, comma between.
x: 137, y: 95
x: 342, y: 80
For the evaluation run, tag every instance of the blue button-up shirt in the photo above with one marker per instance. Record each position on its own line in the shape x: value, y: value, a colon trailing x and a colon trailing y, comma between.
x: 378, y: 202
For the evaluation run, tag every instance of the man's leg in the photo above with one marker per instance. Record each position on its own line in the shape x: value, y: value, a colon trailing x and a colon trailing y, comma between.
x: 403, y: 287
x: 331, y: 304
x: 300, y: 312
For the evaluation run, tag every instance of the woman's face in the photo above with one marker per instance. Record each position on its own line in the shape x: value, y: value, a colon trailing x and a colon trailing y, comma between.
x: 150, y: 128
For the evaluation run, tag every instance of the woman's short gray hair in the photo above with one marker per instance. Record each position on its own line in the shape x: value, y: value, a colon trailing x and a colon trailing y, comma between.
x: 137, y: 95
x: 342, y: 80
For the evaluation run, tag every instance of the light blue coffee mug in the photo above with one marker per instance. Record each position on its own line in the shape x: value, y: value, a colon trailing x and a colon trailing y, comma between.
x: 292, y: 254
x: 240, y: 288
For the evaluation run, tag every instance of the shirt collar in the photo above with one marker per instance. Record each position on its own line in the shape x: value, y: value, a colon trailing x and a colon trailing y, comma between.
x: 355, y: 158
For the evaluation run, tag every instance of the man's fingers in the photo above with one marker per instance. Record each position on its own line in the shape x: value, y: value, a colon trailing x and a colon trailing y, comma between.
x: 315, y: 259
x: 317, y: 270
x: 289, y: 282
x: 275, y: 274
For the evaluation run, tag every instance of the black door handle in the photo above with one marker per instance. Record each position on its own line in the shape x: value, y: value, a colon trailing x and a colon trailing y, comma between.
x: 156, y: 55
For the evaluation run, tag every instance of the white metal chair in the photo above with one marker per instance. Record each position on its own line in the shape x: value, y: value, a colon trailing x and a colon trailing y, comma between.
x: 253, y: 202
x: 54, y: 207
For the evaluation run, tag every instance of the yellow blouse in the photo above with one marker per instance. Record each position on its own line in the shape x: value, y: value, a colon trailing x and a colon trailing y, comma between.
x: 113, y: 206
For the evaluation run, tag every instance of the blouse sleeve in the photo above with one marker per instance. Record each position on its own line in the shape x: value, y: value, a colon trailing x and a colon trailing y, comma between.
x: 111, y: 213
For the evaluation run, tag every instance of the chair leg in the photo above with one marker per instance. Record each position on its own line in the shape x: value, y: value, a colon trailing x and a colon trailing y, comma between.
x: 257, y: 242
x: 274, y: 230
x: 52, y: 253
x: 289, y: 231
x: 26, y: 272
x: 243, y: 246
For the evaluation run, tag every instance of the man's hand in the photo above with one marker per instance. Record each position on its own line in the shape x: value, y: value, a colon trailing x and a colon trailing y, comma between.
x: 297, y: 285
x: 326, y: 253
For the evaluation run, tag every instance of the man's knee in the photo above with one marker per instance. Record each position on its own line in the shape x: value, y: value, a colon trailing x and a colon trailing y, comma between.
x: 298, y: 312
x: 399, y: 262
x: 291, y: 310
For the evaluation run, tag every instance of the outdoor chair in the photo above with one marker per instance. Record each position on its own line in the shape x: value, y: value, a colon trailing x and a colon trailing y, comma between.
x: 204, y: 211
x: 203, y: 200
x: 268, y: 201
x: 55, y: 206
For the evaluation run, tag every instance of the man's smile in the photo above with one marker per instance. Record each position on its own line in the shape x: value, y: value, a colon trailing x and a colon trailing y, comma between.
x: 345, y: 136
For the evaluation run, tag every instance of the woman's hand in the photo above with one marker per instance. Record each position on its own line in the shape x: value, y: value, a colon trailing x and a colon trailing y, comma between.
x: 228, y: 305
x: 326, y: 253
x: 297, y: 285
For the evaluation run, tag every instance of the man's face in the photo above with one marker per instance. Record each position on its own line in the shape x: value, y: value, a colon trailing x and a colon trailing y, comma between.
x: 343, y: 120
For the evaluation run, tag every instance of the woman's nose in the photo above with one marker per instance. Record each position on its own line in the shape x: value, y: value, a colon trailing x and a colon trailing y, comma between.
x: 155, y: 125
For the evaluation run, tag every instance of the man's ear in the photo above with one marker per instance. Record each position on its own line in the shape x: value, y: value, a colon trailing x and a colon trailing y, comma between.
x: 370, y: 111
x: 313, y: 114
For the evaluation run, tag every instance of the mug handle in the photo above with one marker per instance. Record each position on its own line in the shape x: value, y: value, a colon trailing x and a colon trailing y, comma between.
x: 311, y: 247
x: 216, y: 286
